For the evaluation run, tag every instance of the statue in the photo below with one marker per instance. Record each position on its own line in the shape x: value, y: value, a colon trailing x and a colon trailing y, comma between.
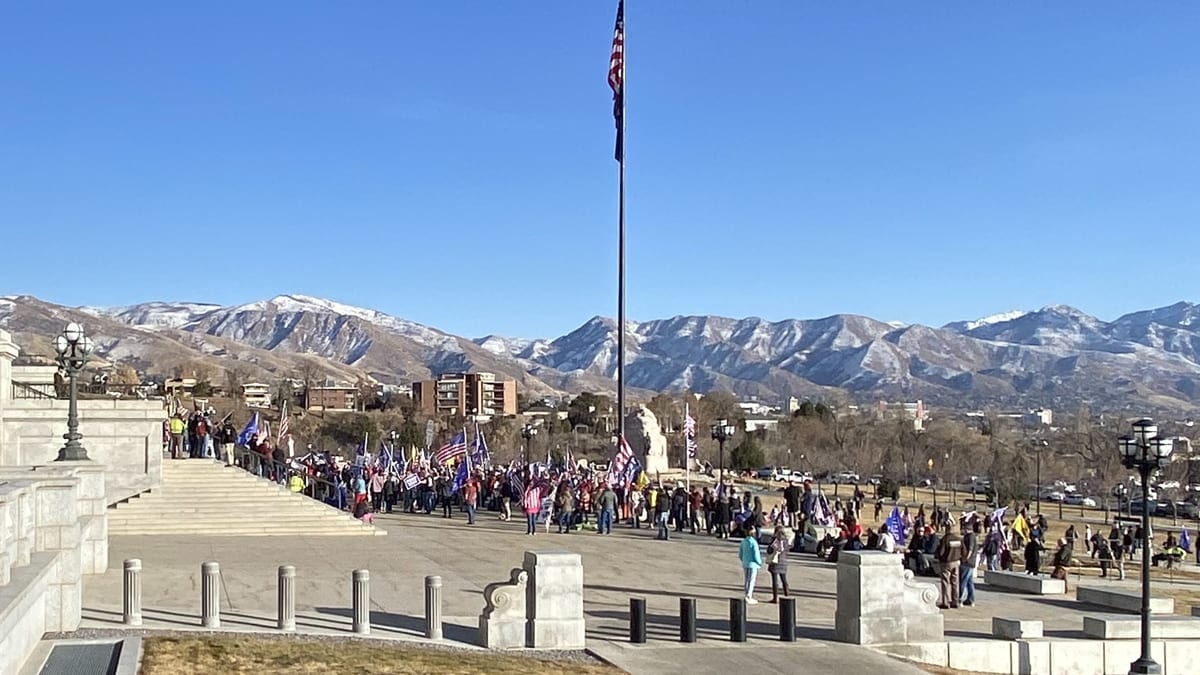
x: 647, y: 440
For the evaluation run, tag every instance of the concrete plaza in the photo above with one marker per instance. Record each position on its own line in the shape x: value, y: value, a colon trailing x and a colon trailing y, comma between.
x: 628, y: 563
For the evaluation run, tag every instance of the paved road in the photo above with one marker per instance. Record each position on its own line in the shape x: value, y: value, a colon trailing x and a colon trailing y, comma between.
x: 625, y: 564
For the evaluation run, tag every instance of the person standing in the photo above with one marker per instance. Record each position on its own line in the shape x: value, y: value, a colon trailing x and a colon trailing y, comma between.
x: 777, y: 563
x: 662, y: 514
x: 1062, y: 561
x: 970, y: 563
x: 471, y: 498
x: 564, y: 506
x: 228, y: 437
x: 608, y: 509
x: 751, y: 559
x: 177, y: 428
x: 949, y: 555
x: 532, y: 503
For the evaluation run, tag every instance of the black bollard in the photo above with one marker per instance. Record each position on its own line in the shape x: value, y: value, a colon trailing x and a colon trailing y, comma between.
x: 737, y: 619
x: 687, y: 619
x: 637, y: 620
x: 787, y: 619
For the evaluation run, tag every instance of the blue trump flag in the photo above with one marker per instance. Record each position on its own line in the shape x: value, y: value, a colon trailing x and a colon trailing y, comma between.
x: 460, y: 476
x: 1185, y: 541
x: 244, y: 439
x: 479, y: 453
x: 895, y: 525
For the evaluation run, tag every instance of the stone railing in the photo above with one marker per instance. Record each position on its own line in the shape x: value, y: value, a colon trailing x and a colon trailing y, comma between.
x: 125, y: 436
x: 53, y: 530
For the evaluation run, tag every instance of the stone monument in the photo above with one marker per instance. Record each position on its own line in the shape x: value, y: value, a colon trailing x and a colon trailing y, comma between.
x: 554, y: 600
x: 647, y: 440
x: 879, y: 603
x: 502, y: 624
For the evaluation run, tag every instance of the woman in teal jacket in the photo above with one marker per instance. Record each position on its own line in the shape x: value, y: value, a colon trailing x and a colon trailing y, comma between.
x: 751, y: 559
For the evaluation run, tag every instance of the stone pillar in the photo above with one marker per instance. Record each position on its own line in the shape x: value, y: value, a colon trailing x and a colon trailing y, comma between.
x: 93, y: 515
x: 554, y: 600
x: 433, y: 607
x: 502, y: 624
x: 56, y: 530
x: 210, y: 595
x: 877, y: 602
x: 131, y: 612
x: 8, y: 353
x: 361, y: 580
x: 287, y: 598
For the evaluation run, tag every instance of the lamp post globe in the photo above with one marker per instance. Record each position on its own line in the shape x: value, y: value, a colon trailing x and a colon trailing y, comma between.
x: 1145, y: 452
x: 73, y: 348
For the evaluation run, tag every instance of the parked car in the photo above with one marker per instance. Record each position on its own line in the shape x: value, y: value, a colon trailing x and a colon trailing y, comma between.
x: 846, y: 477
x: 1168, y: 485
x: 1076, y: 499
x: 782, y: 474
x: 1136, y: 507
x: 1179, y: 510
x: 766, y: 473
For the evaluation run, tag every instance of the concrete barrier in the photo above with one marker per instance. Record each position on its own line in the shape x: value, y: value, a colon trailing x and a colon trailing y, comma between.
x: 1016, y: 629
x: 1025, y: 583
x: 1122, y: 600
x: 1124, y: 626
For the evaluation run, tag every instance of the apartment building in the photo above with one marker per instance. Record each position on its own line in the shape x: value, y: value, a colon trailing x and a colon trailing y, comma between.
x: 466, y: 394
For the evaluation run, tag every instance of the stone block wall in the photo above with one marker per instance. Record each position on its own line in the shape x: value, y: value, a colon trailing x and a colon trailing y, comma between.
x: 53, y: 530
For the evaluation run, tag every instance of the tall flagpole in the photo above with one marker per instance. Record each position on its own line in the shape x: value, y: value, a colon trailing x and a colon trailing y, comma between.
x: 617, y: 81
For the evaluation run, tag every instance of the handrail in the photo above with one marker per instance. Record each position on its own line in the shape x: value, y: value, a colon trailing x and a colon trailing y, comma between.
x: 253, y: 462
x: 24, y: 390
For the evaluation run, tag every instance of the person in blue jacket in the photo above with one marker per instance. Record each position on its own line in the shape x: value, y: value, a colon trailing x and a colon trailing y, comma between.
x: 751, y: 558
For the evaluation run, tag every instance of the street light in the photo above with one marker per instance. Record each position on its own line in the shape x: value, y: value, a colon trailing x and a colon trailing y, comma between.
x: 528, y: 432
x: 1037, y: 493
x: 1146, y: 452
x: 722, y: 431
x: 73, y: 348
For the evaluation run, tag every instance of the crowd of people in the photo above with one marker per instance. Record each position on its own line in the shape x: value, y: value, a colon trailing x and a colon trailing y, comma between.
x: 573, y: 496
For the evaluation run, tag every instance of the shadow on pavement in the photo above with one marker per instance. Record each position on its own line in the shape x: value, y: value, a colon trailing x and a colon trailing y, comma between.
x: 409, y: 625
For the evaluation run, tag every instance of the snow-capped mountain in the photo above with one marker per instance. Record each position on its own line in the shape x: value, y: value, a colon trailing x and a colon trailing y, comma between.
x: 1055, y: 356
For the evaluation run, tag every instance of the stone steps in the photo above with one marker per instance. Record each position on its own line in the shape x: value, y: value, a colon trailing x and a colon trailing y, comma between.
x: 208, y: 498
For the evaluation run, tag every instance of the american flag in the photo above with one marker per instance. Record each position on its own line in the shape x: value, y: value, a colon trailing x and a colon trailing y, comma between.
x: 283, y: 425
x: 616, y: 78
x: 689, y: 434
x: 455, y: 447
x: 621, y: 462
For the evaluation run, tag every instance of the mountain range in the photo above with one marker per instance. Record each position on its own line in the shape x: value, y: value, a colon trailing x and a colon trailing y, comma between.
x: 1056, y: 356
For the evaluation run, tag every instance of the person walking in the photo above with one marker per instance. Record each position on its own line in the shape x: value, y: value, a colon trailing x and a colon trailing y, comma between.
x: 777, y: 563
x: 1062, y: 561
x: 608, y: 509
x: 751, y: 559
x: 471, y: 498
x: 970, y: 563
x: 949, y: 555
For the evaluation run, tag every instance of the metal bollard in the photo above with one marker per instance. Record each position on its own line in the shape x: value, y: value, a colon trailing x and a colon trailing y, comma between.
x: 132, y: 605
x: 433, y: 608
x: 787, y: 619
x: 362, y: 602
x: 637, y: 620
x: 287, y: 598
x: 687, y: 619
x: 737, y: 619
x: 210, y: 595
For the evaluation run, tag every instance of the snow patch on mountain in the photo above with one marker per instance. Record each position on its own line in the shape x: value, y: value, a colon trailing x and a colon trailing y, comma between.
x: 1003, y: 317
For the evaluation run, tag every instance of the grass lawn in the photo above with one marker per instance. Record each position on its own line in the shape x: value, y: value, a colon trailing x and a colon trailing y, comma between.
x: 266, y: 656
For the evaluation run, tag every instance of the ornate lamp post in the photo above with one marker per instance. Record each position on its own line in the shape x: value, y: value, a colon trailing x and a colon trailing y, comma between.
x: 1146, y: 452
x: 528, y: 432
x: 722, y: 431
x: 73, y: 348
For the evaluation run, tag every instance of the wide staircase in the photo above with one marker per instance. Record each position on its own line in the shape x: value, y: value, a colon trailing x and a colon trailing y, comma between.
x: 200, y: 496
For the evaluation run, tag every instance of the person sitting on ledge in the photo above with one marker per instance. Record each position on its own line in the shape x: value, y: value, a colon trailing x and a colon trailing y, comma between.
x: 1172, y: 555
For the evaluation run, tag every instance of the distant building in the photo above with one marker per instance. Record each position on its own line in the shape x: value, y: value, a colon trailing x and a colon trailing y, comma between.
x: 791, y: 405
x: 466, y: 394
x: 755, y: 409
x: 914, y: 411
x: 257, y: 395
x: 179, y: 385
x: 766, y: 424
x: 333, y: 397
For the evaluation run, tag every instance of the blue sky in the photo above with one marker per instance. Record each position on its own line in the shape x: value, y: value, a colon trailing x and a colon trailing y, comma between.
x: 451, y: 162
